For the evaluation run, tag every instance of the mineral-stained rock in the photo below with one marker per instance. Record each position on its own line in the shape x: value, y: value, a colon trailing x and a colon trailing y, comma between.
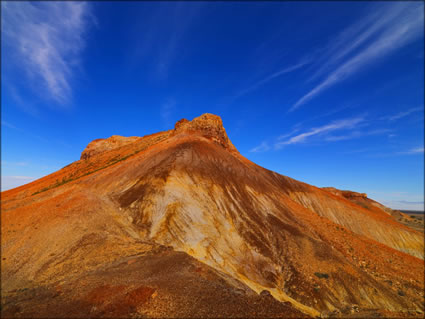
x: 207, y: 125
x: 103, y: 145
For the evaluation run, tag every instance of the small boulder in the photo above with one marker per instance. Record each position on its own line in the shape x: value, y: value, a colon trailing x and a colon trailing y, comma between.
x: 265, y: 293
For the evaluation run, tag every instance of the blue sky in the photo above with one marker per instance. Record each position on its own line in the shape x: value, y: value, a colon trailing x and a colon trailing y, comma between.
x: 329, y: 93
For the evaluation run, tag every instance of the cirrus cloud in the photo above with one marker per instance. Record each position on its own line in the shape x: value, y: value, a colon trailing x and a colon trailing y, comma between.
x: 46, y: 40
x: 388, y: 28
x: 336, y: 125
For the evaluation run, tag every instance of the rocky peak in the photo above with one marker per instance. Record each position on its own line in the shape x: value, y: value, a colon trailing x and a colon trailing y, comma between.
x: 209, y: 126
x: 180, y: 124
x: 105, y: 144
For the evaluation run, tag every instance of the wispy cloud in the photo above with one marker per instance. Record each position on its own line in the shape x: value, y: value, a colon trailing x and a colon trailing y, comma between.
x: 182, y: 17
x: 415, y: 150
x: 165, y: 31
x: 286, y: 135
x: 356, y: 134
x: 352, y: 126
x: 336, y: 125
x: 28, y: 133
x: 14, y: 163
x: 46, y: 40
x: 167, y: 111
x: 389, y: 28
x: 267, y: 63
x: 332, y: 111
x: 6, y: 124
x: 263, y: 147
x: 270, y: 77
x: 348, y: 40
x: 403, y: 114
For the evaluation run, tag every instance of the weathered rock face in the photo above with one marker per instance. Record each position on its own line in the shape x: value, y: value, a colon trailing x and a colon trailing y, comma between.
x: 207, y: 125
x: 103, y: 145
x: 362, y: 216
x: 188, y: 189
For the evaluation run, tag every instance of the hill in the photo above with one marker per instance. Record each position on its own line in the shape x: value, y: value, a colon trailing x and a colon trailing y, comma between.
x: 179, y: 222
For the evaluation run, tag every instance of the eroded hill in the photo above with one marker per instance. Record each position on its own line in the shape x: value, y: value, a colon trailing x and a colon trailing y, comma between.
x: 301, y: 248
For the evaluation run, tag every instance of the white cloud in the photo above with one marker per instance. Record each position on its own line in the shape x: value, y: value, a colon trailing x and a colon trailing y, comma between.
x: 356, y: 134
x: 263, y: 147
x: 393, y: 26
x: 283, y: 136
x: 9, y: 182
x: 350, y: 39
x: 46, y: 40
x: 336, y: 125
x: 416, y: 150
x: 403, y: 114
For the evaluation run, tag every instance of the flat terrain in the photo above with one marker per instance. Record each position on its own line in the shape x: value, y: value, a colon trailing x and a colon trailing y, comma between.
x: 418, y: 212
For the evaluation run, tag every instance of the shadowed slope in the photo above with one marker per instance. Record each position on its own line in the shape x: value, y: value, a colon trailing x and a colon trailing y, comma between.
x: 155, y: 282
x: 191, y: 190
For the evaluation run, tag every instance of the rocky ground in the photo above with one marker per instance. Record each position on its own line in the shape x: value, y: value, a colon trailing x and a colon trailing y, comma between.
x: 156, y: 283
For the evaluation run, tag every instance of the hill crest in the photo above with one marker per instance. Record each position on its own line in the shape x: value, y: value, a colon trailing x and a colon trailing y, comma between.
x: 207, y: 125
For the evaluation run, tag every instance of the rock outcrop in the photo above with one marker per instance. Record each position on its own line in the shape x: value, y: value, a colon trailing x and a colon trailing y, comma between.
x: 346, y: 194
x: 103, y: 145
x: 207, y: 125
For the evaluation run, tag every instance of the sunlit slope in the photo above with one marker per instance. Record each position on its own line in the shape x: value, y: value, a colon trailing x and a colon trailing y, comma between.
x: 191, y: 190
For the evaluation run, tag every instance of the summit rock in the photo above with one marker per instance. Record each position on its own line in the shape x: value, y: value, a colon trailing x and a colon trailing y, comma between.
x: 209, y: 126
